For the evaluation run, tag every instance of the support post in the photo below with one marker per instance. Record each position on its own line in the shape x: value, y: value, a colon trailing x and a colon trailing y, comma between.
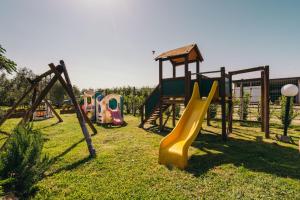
x: 186, y: 69
x: 208, y: 116
x: 230, y: 105
x: 160, y: 95
x: 286, y: 117
x: 39, y: 99
x: 174, y: 105
x: 267, y: 101
x: 53, y: 110
x: 241, y: 101
x: 68, y: 87
x: 33, y: 100
x: 223, y: 103
x: 142, y: 116
x: 197, y: 70
x: 262, y: 101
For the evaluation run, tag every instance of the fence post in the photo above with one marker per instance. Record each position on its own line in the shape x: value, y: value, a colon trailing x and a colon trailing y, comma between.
x: 241, y: 100
x: 267, y: 101
x: 262, y: 101
x: 223, y: 103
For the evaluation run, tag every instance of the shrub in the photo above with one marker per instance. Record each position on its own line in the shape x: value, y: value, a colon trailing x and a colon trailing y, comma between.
x: 212, y: 110
x: 245, y: 108
x: 22, y: 162
x: 292, y: 115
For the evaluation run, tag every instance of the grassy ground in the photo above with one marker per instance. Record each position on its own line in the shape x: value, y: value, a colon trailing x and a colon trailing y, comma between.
x: 126, y: 165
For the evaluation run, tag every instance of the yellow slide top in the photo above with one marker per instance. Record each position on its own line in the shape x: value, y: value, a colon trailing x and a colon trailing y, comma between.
x: 174, y: 147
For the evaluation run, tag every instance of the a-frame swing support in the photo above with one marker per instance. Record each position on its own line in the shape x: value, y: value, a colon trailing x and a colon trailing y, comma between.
x: 66, y: 83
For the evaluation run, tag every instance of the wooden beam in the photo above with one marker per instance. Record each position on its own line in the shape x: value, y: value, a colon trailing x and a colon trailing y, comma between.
x: 267, y: 101
x: 242, y: 71
x: 47, y: 73
x: 88, y: 121
x: 53, y: 110
x: 160, y: 95
x: 164, y: 125
x: 230, y: 106
x: 68, y: 86
x: 186, y: 76
x: 262, y: 101
x: 33, y: 97
x: 174, y: 105
x: 223, y: 103
x: 39, y: 99
x: 241, y: 101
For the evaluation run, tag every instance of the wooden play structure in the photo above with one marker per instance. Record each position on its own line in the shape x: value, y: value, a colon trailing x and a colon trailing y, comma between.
x: 39, y: 96
x: 178, y: 90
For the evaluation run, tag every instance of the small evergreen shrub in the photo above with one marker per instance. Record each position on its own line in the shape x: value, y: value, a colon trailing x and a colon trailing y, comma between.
x: 22, y: 162
x: 245, y: 108
x: 292, y: 115
x: 212, y: 110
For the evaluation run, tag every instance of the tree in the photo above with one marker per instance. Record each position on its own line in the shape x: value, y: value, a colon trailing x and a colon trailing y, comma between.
x: 57, y: 94
x: 19, y: 84
x: 6, y: 64
x: 76, y: 91
x: 22, y: 162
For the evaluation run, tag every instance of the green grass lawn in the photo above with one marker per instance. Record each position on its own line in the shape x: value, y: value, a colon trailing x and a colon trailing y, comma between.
x: 126, y: 164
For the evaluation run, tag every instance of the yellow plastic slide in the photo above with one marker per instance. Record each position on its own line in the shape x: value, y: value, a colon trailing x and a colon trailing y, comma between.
x: 174, y: 147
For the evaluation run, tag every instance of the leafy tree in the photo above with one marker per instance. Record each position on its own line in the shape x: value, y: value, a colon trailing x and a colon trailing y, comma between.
x: 57, y: 94
x: 76, y: 91
x: 6, y: 64
x: 22, y: 161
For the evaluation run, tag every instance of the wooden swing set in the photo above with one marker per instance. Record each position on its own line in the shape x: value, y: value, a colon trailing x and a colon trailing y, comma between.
x: 37, y: 99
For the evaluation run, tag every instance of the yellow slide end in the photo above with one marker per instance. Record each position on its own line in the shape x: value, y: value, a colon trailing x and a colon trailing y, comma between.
x: 174, y: 147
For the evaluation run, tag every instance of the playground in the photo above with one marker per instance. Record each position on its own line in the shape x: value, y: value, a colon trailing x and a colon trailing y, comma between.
x: 154, y: 152
x: 126, y: 164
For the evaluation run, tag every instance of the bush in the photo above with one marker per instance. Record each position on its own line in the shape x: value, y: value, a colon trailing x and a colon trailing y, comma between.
x: 212, y: 110
x: 245, y: 108
x: 22, y: 162
x: 292, y: 115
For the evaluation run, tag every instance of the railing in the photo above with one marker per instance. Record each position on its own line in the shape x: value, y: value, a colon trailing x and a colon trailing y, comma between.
x: 150, y: 103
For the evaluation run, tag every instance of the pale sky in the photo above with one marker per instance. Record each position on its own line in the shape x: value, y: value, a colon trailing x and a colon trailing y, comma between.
x: 107, y: 43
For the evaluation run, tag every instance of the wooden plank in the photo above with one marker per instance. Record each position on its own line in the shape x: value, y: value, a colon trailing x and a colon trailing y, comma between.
x: 33, y: 97
x: 186, y: 70
x: 160, y: 95
x: 230, y: 106
x: 88, y: 121
x: 223, y: 103
x: 267, y: 101
x: 241, y: 101
x: 39, y: 99
x: 262, y: 101
x: 53, y: 110
x: 242, y: 71
x: 68, y: 86
x: 164, y: 125
x: 174, y: 104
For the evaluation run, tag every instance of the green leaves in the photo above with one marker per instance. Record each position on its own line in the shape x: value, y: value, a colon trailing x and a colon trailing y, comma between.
x: 22, y: 161
x: 292, y: 114
x: 6, y: 64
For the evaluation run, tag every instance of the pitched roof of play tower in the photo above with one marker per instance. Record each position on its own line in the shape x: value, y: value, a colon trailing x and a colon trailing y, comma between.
x: 176, y: 56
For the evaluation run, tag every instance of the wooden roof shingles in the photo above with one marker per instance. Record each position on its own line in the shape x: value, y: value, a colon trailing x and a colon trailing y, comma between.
x: 177, y: 56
